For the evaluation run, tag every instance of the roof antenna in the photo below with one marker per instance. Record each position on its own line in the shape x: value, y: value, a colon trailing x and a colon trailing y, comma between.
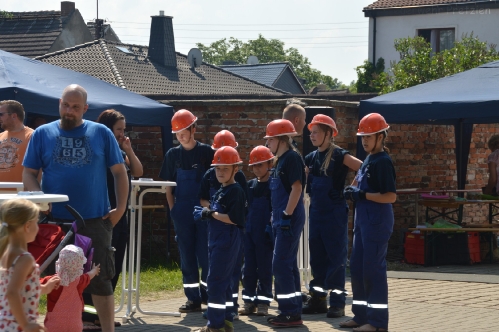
x: 97, y: 9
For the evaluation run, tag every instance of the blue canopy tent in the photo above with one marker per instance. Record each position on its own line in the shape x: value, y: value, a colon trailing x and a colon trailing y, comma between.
x: 38, y: 86
x: 460, y: 100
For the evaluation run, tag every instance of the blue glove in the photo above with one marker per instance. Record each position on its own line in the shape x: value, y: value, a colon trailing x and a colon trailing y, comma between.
x: 354, y: 194
x: 198, y: 211
x: 286, y: 225
x: 268, y: 234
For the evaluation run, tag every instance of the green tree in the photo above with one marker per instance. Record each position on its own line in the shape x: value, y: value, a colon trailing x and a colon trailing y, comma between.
x: 267, y: 51
x: 4, y: 14
x: 419, y: 64
x: 368, y: 76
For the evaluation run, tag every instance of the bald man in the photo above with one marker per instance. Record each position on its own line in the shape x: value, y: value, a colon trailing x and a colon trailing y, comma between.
x: 73, y: 155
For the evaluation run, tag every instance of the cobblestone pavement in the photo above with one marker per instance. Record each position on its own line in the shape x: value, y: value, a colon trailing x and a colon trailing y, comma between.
x: 415, y: 305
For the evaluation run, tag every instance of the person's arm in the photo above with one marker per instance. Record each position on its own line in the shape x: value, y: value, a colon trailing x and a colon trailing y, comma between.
x: 382, y: 198
x: 294, y: 197
x: 204, y: 203
x: 222, y: 217
x: 30, y: 179
x: 491, y: 183
x: 131, y: 160
x: 352, y: 162
x: 170, y: 198
x: 121, y: 191
x: 94, y: 271
x: 51, y: 284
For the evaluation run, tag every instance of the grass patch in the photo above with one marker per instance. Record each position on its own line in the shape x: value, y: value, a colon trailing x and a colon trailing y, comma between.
x: 158, y: 280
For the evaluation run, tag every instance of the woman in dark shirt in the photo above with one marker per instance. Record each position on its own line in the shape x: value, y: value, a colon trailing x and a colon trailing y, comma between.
x: 115, y: 121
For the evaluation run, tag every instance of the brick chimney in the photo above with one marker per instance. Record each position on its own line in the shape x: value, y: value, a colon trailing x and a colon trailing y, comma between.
x: 67, y: 7
x: 161, y: 41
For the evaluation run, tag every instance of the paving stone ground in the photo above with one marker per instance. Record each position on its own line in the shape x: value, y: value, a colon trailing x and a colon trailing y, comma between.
x: 417, y: 302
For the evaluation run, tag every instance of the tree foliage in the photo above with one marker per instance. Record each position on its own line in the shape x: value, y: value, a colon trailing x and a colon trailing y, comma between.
x: 267, y: 51
x: 419, y: 64
x: 4, y: 14
x: 368, y: 76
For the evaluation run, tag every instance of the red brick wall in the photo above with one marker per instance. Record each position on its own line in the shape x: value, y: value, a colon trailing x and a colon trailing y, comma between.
x: 423, y: 155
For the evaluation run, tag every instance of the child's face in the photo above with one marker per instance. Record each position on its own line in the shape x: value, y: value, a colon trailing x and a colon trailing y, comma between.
x: 225, y: 174
x: 272, y: 144
x: 260, y: 169
x: 31, y: 228
x: 370, y: 143
x: 184, y: 137
x: 317, y: 136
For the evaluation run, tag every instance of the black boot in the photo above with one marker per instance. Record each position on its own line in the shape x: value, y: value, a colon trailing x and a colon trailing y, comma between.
x: 317, y: 304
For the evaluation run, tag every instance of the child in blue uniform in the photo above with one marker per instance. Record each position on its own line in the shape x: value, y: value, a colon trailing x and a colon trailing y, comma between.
x: 257, y: 273
x: 225, y: 216
x: 288, y: 218
x: 209, y: 186
x: 328, y: 218
x: 373, y: 190
x: 185, y: 165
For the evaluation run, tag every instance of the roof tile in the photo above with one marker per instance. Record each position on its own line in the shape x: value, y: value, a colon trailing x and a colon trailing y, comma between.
x: 135, y: 71
x: 383, y: 4
x: 30, y: 33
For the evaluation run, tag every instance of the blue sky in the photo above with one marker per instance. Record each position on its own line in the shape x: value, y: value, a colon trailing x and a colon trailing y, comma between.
x: 332, y: 34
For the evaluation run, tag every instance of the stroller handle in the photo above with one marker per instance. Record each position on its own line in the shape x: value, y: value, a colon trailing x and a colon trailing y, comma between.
x: 80, y: 223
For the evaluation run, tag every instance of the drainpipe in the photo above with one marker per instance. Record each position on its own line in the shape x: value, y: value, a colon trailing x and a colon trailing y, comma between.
x: 374, y: 40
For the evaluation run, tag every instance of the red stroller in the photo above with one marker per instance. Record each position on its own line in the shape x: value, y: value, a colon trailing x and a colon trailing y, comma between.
x: 51, y: 239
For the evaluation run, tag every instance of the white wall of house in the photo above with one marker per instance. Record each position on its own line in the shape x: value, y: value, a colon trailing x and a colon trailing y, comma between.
x: 483, y: 23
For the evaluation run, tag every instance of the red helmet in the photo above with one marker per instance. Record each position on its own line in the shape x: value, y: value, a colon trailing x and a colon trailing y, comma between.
x: 372, y: 123
x: 260, y: 154
x: 224, y: 138
x: 226, y: 155
x: 325, y: 120
x: 182, y: 119
x: 280, y: 127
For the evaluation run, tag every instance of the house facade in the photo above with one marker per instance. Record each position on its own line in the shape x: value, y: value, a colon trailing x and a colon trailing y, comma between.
x: 440, y: 22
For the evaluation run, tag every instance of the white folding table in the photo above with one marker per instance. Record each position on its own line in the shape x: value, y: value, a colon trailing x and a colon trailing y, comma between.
x: 36, y: 197
x: 19, y: 186
x: 134, y: 248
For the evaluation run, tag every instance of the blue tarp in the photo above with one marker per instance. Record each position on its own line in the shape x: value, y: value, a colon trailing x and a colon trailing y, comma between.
x: 460, y: 100
x: 38, y: 86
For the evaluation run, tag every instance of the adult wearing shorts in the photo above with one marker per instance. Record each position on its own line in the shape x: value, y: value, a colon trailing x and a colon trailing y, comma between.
x: 74, y: 155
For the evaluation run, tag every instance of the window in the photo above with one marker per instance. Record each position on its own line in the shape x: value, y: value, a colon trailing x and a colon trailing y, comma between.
x: 440, y: 39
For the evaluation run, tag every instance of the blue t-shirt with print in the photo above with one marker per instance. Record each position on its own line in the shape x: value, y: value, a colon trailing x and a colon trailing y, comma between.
x: 74, y: 163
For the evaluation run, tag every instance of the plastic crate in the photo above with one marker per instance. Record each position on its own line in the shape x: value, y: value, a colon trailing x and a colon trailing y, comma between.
x: 474, y: 247
x: 414, y: 252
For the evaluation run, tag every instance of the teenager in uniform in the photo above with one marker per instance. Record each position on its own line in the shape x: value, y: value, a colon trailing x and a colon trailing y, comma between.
x: 258, y: 240
x: 373, y: 191
x: 209, y: 186
x: 328, y: 218
x: 288, y: 218
x: 186, y: 164
x: 225, y: 217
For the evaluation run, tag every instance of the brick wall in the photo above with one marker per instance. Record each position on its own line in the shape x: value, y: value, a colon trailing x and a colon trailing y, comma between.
x: 423, y: 155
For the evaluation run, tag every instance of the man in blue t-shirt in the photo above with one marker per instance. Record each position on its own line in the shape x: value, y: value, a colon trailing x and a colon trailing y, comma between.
x: 74, y: 155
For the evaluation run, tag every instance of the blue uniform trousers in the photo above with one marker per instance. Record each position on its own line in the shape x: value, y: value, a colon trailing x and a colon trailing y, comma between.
x: 328, y: 243
x: 224, y: 243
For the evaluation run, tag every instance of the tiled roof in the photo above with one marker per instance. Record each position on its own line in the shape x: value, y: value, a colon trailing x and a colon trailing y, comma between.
x: 264, y: 73
x: 382, y: 4
x: 30, y: 34
x: 268, y: 74
x: 128, y: 66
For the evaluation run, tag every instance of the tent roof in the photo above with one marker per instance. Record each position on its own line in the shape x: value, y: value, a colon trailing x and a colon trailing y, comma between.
x: 472, y: 95
x: 38, y: 86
